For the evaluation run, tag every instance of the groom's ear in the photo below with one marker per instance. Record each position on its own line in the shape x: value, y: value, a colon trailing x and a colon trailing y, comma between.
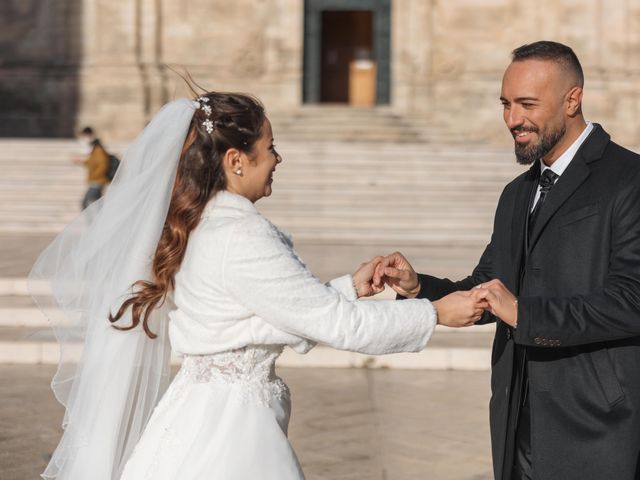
x: 574, y: 101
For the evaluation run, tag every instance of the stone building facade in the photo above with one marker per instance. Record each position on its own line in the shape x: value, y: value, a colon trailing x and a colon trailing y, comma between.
x: 66, y: 63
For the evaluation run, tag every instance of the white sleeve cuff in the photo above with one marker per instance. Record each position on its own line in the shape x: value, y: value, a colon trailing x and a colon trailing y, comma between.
x: 344, y: 285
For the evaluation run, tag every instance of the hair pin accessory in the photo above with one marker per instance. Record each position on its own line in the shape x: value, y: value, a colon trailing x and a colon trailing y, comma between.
x: 202, y: 104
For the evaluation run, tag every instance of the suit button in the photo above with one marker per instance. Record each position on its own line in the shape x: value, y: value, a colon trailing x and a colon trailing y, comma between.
x: 537, y: 340
x: 508, y: 334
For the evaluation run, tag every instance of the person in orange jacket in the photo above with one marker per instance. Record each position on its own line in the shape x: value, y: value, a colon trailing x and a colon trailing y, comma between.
x: 97, y: 164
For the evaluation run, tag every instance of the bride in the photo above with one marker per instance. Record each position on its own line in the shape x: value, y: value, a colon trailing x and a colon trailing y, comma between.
x: 177, y: 256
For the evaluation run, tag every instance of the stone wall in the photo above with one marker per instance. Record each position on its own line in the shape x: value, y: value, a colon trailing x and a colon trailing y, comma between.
x: 66, y: 63
x: 450, y: 56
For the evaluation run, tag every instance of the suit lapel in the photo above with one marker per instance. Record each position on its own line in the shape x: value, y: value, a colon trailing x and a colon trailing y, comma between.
x: 521, y: 207
x: 575, y: 174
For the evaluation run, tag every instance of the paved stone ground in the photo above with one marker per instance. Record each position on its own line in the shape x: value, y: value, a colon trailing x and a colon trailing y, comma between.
x: 347, y: 424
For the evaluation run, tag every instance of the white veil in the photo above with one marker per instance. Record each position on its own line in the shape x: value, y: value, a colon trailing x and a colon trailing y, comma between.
x: 110, y: 380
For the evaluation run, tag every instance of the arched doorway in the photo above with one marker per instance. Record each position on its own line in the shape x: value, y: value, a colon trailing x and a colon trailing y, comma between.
x: 347, y: 49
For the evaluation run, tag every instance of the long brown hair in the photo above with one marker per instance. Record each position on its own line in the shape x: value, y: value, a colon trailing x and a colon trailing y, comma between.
x: 237, y: 123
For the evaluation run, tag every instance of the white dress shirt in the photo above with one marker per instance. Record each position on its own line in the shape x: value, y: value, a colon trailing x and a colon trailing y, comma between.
x: 560, y: 165
x: 241, y: 283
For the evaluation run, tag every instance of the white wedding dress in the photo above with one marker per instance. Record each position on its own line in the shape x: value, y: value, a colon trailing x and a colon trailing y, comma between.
x: 241, y: 295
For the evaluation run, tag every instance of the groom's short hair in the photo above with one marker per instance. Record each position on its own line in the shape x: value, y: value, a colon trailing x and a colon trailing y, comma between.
x: 552, y: 51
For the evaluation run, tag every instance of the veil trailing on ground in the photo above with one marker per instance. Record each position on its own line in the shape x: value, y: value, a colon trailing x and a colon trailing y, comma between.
x: 110, y: 380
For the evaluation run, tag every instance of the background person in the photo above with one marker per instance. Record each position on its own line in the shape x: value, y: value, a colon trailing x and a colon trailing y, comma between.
x: 97, y: 165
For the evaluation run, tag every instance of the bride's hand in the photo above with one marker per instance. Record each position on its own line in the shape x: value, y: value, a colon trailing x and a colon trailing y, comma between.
x: 396, y: 271
x: 502, y: 303
x: 461, y: 309
x: 363, y: 278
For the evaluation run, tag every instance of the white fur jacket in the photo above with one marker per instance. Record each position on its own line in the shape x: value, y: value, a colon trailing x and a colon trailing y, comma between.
x: 241, y: 283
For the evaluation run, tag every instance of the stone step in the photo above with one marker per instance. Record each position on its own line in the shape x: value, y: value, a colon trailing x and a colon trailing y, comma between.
x: 362, y: 120
x: 310, y: 158
x: 27, y: 145
x: 356, y: 200
x: 25, y: 338
x: 347, y: 237
x: 23, y: 323
x: 319, y: 217
x: 450, y: 213
x: 337, y: 134
x: 324, y: 225
x: 426, y: 181
x: 445, y: 351
x: 42, y: 155
x: 348, y: 192
x: 43, y: 152
x: 309, y: 164
x: 341, y: 187
x: 332, y: 228
x: 338, y: 185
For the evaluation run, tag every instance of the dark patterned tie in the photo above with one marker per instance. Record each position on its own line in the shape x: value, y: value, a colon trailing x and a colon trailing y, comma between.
x: 547, y: 179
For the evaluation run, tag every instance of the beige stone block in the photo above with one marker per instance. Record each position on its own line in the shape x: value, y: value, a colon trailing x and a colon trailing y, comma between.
x: 15, y: 286
x: 20, y: 352
x: 22, y: 317
x: 50, y: 353
x: 428, y: 359
x: 469, y: 359
x: 318, y: 357
x: 433, y: 359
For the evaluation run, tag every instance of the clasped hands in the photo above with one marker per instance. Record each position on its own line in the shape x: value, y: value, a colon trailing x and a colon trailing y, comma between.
x: 458, y: 309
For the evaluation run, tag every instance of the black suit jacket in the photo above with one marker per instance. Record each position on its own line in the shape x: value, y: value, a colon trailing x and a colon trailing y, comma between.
x: 578, y: 288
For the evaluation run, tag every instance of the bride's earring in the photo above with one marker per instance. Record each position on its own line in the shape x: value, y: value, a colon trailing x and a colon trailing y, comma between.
x: 238, y: 172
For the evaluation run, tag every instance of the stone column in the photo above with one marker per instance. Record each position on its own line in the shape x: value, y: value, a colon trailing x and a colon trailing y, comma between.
x: 411, y: 56
x: 149, y: 51
x: 112, y: 91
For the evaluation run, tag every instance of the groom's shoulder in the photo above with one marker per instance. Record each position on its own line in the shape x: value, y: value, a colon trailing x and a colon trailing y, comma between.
x: 626, y: 162
x: 512, y: 186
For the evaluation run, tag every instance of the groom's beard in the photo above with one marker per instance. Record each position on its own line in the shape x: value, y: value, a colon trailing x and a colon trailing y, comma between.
x: 527, y: 154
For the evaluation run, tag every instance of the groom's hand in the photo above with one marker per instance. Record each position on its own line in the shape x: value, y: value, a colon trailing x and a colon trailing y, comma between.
x: 396, y: 271
x: 461, y: 309
x: 363, y: 278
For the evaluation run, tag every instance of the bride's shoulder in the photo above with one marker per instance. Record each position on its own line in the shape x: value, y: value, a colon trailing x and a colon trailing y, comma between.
x: 256, y: 227
x: 248, y: 227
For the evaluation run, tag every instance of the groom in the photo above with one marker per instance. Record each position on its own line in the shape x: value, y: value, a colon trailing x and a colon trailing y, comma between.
x: 562, y: 277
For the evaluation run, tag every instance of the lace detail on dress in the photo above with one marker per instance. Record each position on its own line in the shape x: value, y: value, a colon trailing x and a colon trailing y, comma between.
x: 251, y: 369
